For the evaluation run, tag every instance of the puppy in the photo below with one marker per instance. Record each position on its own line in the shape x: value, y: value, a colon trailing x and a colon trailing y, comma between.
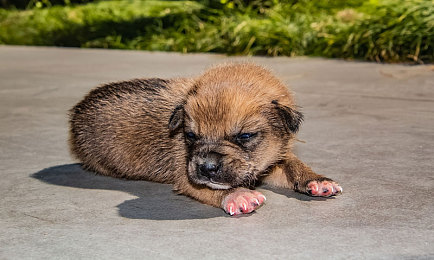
x: 213, y: 137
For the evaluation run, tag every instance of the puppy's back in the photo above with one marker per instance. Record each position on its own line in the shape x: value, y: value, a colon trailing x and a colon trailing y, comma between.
x: 120, y: 129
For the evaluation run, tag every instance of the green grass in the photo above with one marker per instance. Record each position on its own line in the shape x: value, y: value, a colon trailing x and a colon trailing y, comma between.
x: 378, y: 30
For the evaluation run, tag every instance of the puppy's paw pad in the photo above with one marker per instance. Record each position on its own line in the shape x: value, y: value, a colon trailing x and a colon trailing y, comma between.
x: 242, y: 201
x: 323, y: 188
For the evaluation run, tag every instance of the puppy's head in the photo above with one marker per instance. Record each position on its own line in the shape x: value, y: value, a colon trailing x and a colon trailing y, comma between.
x: 238, y: 122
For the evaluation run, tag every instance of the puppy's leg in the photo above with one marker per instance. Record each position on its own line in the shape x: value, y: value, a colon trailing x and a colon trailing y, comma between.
x: 233, y: 201
x: 297, y: 175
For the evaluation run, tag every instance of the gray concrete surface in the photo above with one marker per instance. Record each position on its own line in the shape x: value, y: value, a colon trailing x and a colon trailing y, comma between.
x: 369, y: 126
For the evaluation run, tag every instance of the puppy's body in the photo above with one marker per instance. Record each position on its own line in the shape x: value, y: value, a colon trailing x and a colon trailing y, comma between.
x: 212, y: 137
x: 120, y: 130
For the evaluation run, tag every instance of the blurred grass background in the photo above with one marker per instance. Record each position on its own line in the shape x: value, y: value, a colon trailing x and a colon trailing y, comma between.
x: 376, y: 30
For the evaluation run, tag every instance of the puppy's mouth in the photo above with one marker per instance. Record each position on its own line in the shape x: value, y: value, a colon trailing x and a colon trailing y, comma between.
x: 213, y: 184
x: 213, y: 181
x: 217, y: 185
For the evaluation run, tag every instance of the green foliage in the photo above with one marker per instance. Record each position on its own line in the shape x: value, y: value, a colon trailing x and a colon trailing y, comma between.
x: 23, y: 4
x: 379, y: 30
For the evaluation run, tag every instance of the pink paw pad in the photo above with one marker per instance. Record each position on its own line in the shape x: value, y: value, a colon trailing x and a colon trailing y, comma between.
x: 242, y: 201
x: 323, y: 188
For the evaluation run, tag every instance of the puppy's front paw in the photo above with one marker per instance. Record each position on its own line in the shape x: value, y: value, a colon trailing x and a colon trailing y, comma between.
x: 323, y: 188
x: 242, y: 201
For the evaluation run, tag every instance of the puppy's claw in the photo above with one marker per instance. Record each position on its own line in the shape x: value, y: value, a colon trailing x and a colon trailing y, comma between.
x: 231, y: 210
x: 244, y: 207
x: 242, y: 201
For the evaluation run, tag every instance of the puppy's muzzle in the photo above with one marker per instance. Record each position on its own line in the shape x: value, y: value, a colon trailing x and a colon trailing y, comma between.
x: 209, y: 166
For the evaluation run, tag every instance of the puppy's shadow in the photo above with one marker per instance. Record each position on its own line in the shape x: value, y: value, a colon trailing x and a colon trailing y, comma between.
x: 155, y: 201
x: 295, y: 195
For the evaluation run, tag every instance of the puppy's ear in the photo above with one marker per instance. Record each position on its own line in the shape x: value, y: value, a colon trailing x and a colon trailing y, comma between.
x: 290, y: 117
x: 177, y: 118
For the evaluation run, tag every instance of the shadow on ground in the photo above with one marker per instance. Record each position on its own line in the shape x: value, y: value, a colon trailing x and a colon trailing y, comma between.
x: 295, y: 195
x: 155, y: 201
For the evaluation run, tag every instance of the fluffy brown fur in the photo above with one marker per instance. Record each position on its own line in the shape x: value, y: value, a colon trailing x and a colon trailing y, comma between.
x: 212, y: 136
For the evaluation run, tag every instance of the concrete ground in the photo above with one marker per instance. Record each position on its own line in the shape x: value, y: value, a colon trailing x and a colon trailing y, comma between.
x: 368, y: 126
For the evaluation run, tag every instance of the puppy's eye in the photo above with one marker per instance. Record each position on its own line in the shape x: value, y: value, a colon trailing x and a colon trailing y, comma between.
x: 245, y: 137
x: 190, y: 136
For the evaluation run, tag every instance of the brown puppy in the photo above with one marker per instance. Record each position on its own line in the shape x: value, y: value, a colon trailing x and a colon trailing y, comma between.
x: 213, y: 137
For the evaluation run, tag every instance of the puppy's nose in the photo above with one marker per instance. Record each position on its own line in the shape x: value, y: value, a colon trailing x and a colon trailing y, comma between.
x: 209, y: 165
